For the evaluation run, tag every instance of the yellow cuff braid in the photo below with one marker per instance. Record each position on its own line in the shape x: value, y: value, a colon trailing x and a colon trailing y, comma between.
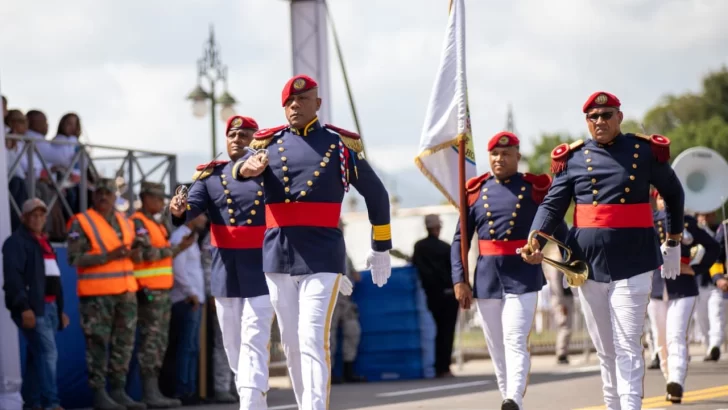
x: 381, y: 232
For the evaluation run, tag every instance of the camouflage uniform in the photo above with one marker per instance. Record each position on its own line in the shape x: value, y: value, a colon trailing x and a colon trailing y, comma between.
x: 346, y: 316
x: 106, y: 320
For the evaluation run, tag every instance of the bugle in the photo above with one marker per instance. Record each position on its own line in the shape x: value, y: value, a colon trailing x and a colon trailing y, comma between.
x: 576, y: 272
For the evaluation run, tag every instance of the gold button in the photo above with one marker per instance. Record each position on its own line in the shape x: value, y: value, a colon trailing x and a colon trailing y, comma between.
x: 686, y: 225
x: 261, y: 184
x: 595, y: 192
x: 309, y: 183
x: 332, y: 146
x: 256, y: 202
x: 622, y: 200
x: 514, y: 214
x: 249, y: 221
x: 586, y: 151
x: 280, y: 141
x: 303, y: 193
x: 588, y: 160
x: 523, y: 188
x: 281, y: 149
x: 497, y: 182
x: 595, y: 203
x: 660, y: 229
x: 283, y: 159
x: 490, y: 222
x: 323, y: 164
x: 227, y: 192
x: 287, y: 189
x: 508, y: 180
x: 488, y: 213
x: 505, y: 239
x: 232, y: 220
x: 512, y: 223
x: 659, y: 222
x: 594, y: 180
x: 520, y: 196
x: 252, y: 212
x: 589, y: 169
x: 518, y: 206
x: 508, y: 232
x: 285, y: 179
x: 288, y: 200
x: 486, y: 206
x: 631, y: 177
x: 636, y: 155
x: 316, y: 173
x: 223, y: 176
x: 224, y: 183
x: 626, y: 189
x: 230, y: 211
x: 485, y: 189
x: 285, y: 168
x: 492, y: 231
x: 485, y: 196
x: 634, y: 166
x: 260, y: 193
x: 636, y: 145
x: 230, y: 201
x: 328, y: 154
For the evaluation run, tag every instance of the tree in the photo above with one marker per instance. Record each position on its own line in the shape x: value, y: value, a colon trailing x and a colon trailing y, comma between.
x: 539, y: 162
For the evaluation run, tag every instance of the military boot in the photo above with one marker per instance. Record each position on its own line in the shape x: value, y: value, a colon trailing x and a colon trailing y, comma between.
x: 153, y: 398
x: 350, y: 376
x: 102, y: 401
x: 119, y: 395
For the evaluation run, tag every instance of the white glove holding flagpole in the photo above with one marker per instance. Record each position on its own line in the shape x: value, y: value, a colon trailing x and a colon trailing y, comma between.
x: 671, y: 258
x: 381, y: 265
x: 345, y: 286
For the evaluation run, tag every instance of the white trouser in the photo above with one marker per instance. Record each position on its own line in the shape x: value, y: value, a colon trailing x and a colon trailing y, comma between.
x: 246, y: 327
x: 615, y: 316
x: 304, y: 306
x: 507, y: 324
x: 710, y: 317
x: 670, y: 320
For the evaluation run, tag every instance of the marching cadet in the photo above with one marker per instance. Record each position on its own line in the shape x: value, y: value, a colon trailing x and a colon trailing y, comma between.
x: 609, y: 178
x: 308, y: 169
x: 501, y: 207
x: 101, y: 246
x: 237, y: 224
x: 709, y: 312
x: 154, y: 277
x: 673, y: 300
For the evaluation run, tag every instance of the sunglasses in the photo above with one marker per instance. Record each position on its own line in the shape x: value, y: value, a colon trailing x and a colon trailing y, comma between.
x: 595, y: 117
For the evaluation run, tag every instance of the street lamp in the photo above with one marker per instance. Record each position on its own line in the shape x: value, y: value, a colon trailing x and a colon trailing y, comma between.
x: 211, y: 68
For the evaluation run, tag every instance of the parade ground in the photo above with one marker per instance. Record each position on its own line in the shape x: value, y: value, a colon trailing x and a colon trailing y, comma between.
x: 551, y: 387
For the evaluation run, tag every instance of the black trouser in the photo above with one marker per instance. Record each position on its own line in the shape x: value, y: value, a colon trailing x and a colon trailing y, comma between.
x: 444, y: 309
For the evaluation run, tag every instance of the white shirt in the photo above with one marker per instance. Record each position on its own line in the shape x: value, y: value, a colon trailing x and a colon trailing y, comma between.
x: 189, y: 278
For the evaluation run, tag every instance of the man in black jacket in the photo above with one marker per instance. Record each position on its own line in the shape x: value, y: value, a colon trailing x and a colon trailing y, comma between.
x: 431, y: 257
x: 34, y: 297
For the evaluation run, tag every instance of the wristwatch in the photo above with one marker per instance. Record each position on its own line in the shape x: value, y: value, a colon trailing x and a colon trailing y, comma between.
x: 671, y: 243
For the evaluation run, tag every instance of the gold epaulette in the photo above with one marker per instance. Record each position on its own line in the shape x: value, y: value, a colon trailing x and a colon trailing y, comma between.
x: 353, y: 144
x: 261, y: 143
x: 576, y: 144
x: 203, y: 174
x: 643, y: 136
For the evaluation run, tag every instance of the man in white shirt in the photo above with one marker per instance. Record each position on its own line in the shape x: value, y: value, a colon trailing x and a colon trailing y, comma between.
x: 188, y: 296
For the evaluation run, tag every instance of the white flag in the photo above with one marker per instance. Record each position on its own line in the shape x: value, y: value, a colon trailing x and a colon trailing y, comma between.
x: 448, y: 118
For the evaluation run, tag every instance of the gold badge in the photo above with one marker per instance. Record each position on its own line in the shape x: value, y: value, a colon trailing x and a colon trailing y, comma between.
x: 503, y: 140
x: 237, y: 123
x: 601, y: 99
x: 299, y: 84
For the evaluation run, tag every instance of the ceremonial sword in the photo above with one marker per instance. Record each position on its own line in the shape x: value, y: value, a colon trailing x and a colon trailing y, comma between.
x: 182, y: 190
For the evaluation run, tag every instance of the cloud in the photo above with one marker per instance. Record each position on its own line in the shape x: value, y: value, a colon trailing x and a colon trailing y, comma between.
x: 126, y: 67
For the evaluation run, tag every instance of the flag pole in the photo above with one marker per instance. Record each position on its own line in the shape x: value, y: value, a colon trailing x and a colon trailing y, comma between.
x: 463, y: 208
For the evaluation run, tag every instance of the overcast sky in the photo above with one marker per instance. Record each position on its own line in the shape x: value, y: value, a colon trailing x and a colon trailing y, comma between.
x: 126, y: 66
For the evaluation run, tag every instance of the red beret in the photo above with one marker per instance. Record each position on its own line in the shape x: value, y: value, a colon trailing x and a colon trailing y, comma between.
x: 503, y: 139
x: 296, y: 85
x: 601, y: 99
x: 238, y: 122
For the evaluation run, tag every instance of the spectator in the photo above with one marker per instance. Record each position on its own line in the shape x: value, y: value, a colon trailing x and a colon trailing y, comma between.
x: 188, y: 295
x: 69, y: 130
x: 34, y: 296
x: 16, y: 125
x: 431, y: 257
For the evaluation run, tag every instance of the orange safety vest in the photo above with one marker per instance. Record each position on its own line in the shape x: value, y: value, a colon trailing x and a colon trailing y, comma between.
x: 114, y: 277
x: 156, y: 274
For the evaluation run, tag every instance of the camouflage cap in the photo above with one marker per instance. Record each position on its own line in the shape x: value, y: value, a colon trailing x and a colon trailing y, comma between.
x: 107, y: 184
x: 152, y: 188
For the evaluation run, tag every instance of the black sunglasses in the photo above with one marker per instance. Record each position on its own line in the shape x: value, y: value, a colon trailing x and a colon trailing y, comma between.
x: 595, y: 117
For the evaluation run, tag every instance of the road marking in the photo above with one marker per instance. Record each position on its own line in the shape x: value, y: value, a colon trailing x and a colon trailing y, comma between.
x: 434, y: 388
x: 284, y: 407
x: 658, y: 402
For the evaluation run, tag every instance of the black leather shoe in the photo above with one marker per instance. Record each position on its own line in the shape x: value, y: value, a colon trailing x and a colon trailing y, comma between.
x: 509, y: 404
x: 674, y: 392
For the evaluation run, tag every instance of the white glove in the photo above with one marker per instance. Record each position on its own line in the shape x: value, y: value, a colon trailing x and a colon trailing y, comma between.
x: 381, y: 265
x: 345, y: 286
x: 671, y: 264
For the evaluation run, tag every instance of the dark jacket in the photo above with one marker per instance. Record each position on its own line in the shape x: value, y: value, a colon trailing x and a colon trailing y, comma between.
x: 25, y: 278
x: 431, y: 257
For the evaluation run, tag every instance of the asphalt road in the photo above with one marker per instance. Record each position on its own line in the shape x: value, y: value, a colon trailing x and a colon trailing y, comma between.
x: 575, y: 387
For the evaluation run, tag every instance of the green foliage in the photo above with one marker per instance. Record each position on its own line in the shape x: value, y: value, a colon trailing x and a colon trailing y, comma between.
x: 539, y: 162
